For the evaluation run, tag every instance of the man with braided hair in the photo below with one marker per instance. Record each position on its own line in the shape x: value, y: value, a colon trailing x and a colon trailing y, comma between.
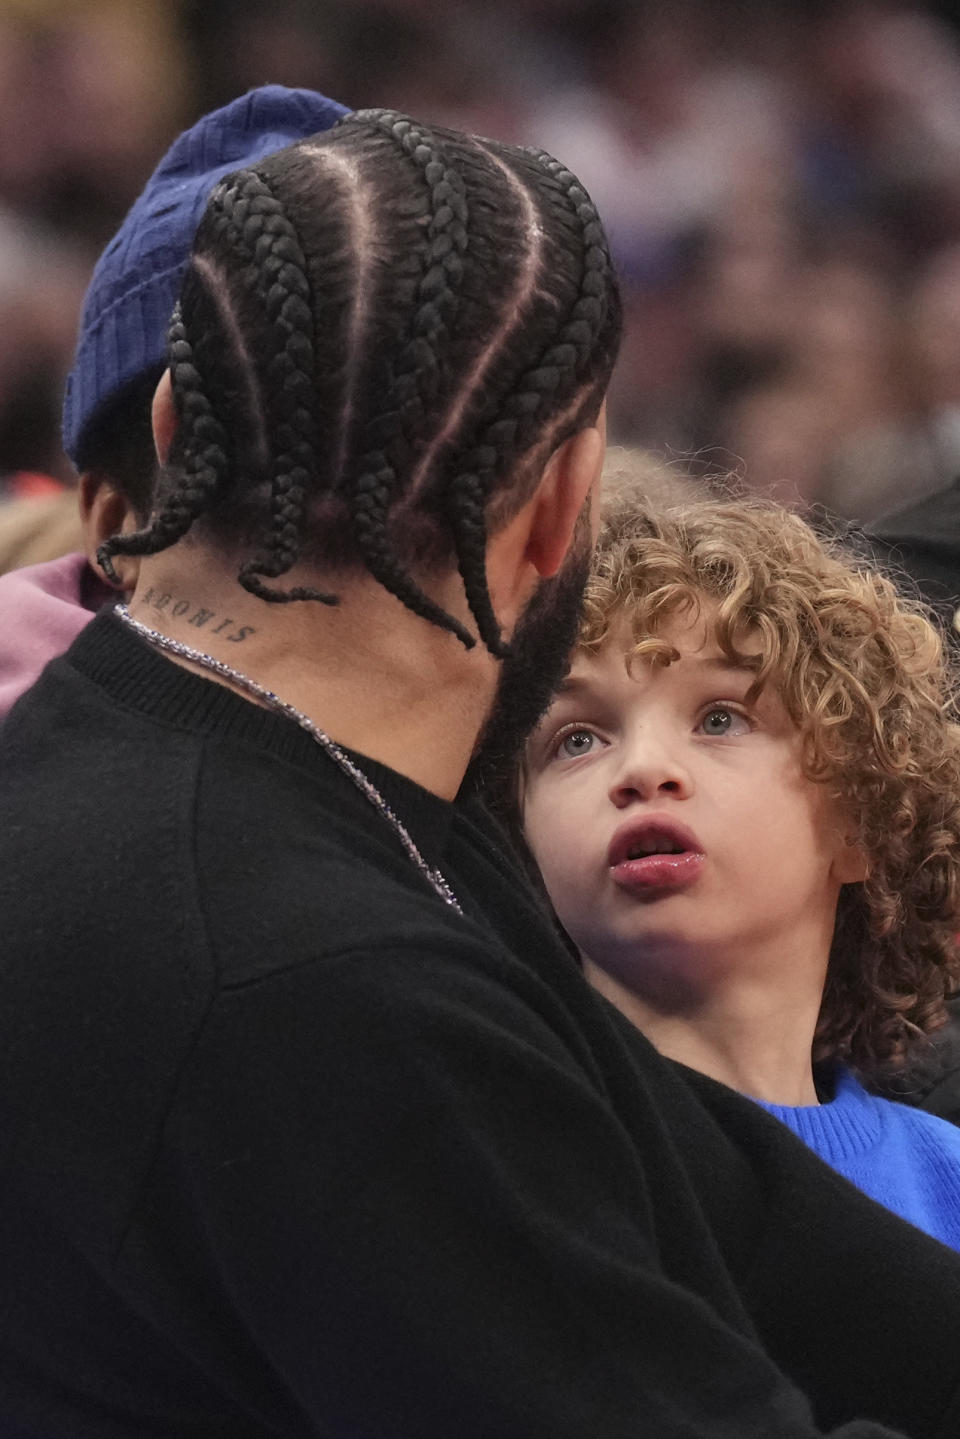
x: 310, y: 1125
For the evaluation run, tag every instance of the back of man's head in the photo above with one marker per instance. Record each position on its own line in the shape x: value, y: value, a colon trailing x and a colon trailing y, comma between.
x: 383, y: 334
x: 122, y: 342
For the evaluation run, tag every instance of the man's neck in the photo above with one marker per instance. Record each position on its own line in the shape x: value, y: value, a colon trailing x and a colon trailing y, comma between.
x: 375, y: 677
x: 753, y: 1034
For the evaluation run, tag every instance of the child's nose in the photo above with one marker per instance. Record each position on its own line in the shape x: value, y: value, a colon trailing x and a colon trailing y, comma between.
x: 648, y: 770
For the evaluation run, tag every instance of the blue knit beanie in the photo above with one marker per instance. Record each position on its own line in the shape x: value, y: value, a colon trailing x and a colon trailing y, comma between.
x: 123, y: 325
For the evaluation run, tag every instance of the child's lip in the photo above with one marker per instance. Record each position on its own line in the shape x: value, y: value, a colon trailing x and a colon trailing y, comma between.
x: 653, y: 829
x: 658, y: 874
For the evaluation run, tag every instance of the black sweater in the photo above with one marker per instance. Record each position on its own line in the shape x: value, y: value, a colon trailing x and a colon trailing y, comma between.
x: 288, y: 1148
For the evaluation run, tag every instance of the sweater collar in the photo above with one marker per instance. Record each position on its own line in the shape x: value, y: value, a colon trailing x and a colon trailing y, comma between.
x: 139, y: 677
x: 850, y: 1123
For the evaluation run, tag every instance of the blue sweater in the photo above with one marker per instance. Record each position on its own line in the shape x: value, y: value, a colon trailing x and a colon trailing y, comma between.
x: 902, y: 1157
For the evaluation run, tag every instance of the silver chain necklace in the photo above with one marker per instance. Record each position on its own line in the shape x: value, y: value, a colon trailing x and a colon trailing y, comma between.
x: 366, y: 786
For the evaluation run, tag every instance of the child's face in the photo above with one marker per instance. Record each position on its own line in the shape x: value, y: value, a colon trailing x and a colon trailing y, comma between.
x: 675, y: 830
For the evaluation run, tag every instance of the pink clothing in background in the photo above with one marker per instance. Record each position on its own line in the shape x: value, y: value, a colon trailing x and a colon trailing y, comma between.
x: 41, y: 613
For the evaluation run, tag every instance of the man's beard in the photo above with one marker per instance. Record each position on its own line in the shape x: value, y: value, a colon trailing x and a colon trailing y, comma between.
x: 539, y: 658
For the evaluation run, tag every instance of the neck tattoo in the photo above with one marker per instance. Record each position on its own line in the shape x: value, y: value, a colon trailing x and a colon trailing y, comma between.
x: 272, y: 701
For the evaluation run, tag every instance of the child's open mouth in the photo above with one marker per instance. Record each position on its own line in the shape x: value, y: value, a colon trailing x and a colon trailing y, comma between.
x: 654, y: 856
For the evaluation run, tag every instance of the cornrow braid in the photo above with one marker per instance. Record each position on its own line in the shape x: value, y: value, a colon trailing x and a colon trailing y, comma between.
x: 207, y: 464
x: 551, y: 381
x: 413, y: 380
x: 371, y: 495
x: 416, y: 375
x: 268, y: 237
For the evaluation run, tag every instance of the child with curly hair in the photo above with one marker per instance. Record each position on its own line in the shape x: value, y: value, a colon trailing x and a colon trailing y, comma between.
x: 745, y: 806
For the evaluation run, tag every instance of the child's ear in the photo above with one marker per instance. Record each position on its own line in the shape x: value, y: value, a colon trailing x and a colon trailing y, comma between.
x: 850, y: 865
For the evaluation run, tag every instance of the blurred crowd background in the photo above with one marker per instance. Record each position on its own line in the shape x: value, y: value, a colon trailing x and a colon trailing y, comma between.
x: 781, y: 183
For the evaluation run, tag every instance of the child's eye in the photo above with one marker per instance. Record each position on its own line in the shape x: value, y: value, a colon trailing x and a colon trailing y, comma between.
x: 576, y: 742
x: 720, y: 721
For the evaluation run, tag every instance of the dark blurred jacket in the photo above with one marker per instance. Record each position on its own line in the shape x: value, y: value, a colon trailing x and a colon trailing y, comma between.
x: 924, y: 541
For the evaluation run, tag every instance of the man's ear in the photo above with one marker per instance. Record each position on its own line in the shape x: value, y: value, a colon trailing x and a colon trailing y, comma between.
x: 104, y: 512
x: 570, y: 480
x: 163, y: 417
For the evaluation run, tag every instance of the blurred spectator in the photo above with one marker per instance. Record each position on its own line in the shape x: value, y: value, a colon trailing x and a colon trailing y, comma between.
x: 38, y: 528
x: 41, y: 284
x: 913, y: 448
x: 90, y: 92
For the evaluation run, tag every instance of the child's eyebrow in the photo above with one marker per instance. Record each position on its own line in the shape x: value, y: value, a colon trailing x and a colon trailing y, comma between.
x: 572, y: 683
x: 575, y: 684
x: 747, y: 666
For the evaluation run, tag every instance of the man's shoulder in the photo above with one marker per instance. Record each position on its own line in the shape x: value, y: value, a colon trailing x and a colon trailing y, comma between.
x: 66, y: 750
x: 345, y: 904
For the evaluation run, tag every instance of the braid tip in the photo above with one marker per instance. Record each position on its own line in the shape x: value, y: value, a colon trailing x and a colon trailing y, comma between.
x: 105, y: 554
x: 251, y: 581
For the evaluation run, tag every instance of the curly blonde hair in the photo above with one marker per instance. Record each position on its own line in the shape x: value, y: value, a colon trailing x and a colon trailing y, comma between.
x: 862, y: 674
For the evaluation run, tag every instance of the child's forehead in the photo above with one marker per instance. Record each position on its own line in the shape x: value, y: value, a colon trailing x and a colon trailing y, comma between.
x: 676, y: 662
x: 684, y: 642
x: 690, y: 628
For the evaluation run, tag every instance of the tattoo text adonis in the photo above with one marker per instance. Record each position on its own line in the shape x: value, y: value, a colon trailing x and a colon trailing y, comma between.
x: 197, y: 615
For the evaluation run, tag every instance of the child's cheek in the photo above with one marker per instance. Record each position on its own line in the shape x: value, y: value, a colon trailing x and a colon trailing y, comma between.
x: 541, y: 836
